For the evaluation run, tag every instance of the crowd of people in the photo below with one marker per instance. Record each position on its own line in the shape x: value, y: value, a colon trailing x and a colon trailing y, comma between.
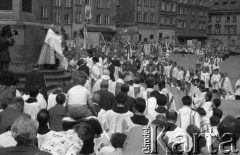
x: 108, y: 102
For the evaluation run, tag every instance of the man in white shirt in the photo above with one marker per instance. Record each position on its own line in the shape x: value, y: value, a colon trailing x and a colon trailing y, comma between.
x: 215, y: 79
x: 205, y: 77
x: 225, y: 88
x: 79, y: 101
x: 186, y: 115
x: 96, y: 71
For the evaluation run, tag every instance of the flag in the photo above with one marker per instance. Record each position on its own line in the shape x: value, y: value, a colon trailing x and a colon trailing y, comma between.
x: 85, y: 35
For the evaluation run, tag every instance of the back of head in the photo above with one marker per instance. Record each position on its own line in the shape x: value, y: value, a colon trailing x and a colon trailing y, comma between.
x: 95, y: 59
x: 137, y: 80
x: 192, y: 130
x: 154, y: 94
x: 96, y: 126
x: 106, y: 72
x: 16, y: 102
x: 208, y: 96
x: 61, y: 98
x: 36, y: 66
x: 104, y: 84
x: 121, y: 75
x: 217, y: 102
x: 84, y: 130
x: 161, y: 100
x: 150, y: 84
x: 218, y: 112
x: 8, y: 78
x: 139, y: 104
x: 118, y: 139
x: 96, y: 98
x: 214, y: 120
x: 201, y: 111
x: 121, y: 98
x: 187, y: 100
x: 24, y: 130
x: 43, y: 117
x: 229, y: 125
x: 125, y: 88
x: 162, y: 85
x: 77, y: 75
x: 171, y: 116
x: 33, y: 91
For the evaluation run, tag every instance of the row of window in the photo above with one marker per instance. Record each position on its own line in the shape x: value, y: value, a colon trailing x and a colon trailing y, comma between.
x: 147, y: 2
x: 168, y: 6
x: 184, y: 11
x: 227, y: 19
x: 227, y: 29
x: 100, y: 4
x: 182, y: 24
x: 146, y: 18
x: 67, y: 3
x: 167, y: 20
x: 193, y: 2
x: 103, y: 19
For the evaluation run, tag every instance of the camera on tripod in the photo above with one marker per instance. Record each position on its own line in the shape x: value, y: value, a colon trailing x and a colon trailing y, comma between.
x: 8, y: 32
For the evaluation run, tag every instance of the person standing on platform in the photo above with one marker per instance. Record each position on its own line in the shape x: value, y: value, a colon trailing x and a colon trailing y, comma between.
x: 6, y: 40
x: 36, y: 78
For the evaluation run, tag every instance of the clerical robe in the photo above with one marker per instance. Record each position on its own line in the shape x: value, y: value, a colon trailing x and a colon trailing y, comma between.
x: 97, y: 85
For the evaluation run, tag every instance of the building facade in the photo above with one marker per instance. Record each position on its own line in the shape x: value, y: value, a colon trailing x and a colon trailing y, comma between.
x: 192, y: 18
x: 139, y: 15
x: 70, y: 15
x: 224, y: 21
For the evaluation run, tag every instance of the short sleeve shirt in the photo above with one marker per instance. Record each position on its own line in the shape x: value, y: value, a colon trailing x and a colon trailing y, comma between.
x: 78, y: 95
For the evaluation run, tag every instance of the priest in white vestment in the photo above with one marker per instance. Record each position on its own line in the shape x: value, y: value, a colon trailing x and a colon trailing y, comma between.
x: 237, y: 92
x: 225, y: 88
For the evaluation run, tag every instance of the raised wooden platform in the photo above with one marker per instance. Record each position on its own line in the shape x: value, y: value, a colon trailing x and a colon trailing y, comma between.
x: 53, y: 77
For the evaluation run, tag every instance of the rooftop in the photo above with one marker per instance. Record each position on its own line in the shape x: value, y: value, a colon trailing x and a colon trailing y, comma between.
x: 224, y: 5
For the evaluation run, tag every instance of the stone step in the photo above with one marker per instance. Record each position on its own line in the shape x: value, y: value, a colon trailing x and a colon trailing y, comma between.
x: 50, y: 86
x: 58, y: 71
x: 66, y: 76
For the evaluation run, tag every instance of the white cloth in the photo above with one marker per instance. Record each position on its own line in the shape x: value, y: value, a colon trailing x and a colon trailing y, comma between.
x: 151, y: 104
x: 62, y: 143
x: 41, y: 100
x: 7, y: 140
x: 205, y: 77
x: 185, y: 114
x: 78, y: 95
x: 207, y: 106
x: 169, y: 95
x: 237, y: 87
x: 146, y: 93
x: 215, y: 79
x: 199, y: 99
x: 226, y: 85
x: 96, y: 72
x: 32, y: 109
x: 128, y: 125
x: 114, y: 121
x: 175, y: 72
x: 180, y: 75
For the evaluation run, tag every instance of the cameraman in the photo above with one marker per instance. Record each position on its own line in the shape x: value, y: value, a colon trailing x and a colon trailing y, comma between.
x: 6, y: 40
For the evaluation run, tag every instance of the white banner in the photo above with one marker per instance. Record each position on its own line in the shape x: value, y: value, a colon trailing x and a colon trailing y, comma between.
x: 88, y: 12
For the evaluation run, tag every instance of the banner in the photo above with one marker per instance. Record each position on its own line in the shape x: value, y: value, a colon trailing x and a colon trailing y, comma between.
x: 93, y: 39
x: 88, y: 12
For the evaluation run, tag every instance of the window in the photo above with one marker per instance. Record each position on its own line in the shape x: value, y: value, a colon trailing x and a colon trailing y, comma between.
x: 163, y: 5
x: 57, y: 2
x: 6, y: 5
x: 234, y: 30
x: 88, y: 2
x: 99, y: 3
x: 227, y: 30
x: 210, y: 29
x: 218, y: 30
x: 171, y: 21
x: 118, y: 3
x: 193, y: 2
x: 192, y: 25
x: 106, y: 20
x: 174, y: 8
x: 139, y: 17
x: 146, y: 2
x: 139, y: 2
x: 228, y: 19
x: 79, y: 2
x: 218, y: 19
x: 145, y: 17
x: 67, y: 19
x: 234, y: 18
x: 233, y: 42
x: 108, y: 4
x: 168, y: 7
x: 99, y: 19
x: 162, y: 20
x: 27, y: 6
x: 78, y: 17
x: 209, y: 19
x: 182, y: 24
x: 67, y: 3
x: 43, y: 12
x: 58, y: 18
x: 152, y: 18
x: 193, y: 12
x: 153, y: 2
x: 151, y: 36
